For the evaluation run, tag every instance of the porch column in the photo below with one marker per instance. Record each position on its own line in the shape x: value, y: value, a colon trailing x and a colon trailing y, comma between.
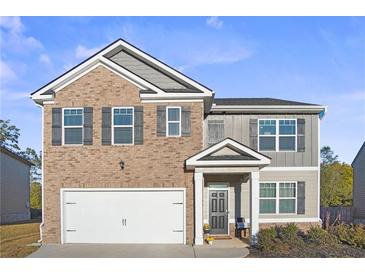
x: 198, y: 183
x: 254, y: 208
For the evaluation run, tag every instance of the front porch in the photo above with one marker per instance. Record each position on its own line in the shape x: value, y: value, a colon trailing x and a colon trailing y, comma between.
x: 226, y: 187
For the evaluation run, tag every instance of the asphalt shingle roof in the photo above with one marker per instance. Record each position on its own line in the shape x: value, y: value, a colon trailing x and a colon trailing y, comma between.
x: 258, y: 102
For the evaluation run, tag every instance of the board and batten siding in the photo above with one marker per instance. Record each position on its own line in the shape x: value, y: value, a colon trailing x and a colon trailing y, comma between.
x: 236, y: 126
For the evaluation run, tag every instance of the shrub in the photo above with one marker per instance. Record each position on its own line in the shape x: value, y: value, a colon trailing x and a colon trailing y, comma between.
x: 267, y: 239
x: 289, y: 234
x: 319, y: 236
x: 353, y: 235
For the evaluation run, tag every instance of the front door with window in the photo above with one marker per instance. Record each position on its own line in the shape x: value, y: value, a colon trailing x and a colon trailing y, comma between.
x: 218, y: 211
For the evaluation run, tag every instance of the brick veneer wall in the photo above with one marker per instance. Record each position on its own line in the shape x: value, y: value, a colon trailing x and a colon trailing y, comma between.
x: 159, y: 162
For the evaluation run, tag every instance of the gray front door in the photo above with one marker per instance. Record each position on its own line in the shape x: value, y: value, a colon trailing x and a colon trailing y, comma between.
x: 218, y: 211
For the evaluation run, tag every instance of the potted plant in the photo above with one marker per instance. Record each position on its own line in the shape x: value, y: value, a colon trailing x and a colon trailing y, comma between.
x: 210, y: 240
x: 206, y: 228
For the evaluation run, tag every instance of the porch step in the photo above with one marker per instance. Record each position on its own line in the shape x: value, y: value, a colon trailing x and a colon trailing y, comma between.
x: 221, y: 237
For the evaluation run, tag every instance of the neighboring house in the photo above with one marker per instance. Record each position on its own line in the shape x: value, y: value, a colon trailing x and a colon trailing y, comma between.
x: 14, y: 187
x: 136, y: 152
x: 358, y: 203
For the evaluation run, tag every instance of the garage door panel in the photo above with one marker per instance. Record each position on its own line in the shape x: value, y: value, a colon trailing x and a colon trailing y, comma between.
x: 123, y: 216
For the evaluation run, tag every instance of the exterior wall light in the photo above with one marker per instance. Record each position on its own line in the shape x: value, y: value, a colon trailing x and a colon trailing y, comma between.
x: 121, y: 163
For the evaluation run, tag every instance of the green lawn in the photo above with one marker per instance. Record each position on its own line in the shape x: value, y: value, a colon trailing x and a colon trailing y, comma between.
x: 14, y: 239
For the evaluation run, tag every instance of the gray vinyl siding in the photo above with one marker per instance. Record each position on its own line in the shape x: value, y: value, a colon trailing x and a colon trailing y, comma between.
x: 14, y: 189
x: 236, y: 126
x: 145, y: 71
x: 359, y: 186
x: 239, y: 193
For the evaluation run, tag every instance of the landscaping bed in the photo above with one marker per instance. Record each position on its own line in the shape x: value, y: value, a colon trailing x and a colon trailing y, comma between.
x: 289, y: 242
x: 15, y: 239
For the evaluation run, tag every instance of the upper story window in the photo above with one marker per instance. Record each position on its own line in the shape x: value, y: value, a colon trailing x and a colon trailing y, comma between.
x: 173, y: 121
x: 73, y: 126
x: 215, y: 131
x: 278, y: 198
x: 123, y: 124
x: 277, y: 134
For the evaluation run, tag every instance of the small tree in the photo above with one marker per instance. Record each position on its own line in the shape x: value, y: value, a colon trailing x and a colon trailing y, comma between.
x: 35, y: 158
x: 36, y: 195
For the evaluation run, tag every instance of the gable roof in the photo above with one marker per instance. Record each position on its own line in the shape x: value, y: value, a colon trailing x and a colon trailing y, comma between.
x: 358, y: 154
x: 243, y: 156
x: 143, y: 71
x: 15, y: 156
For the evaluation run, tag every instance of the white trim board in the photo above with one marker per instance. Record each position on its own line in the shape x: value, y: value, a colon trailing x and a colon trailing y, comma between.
x: 291, y: 168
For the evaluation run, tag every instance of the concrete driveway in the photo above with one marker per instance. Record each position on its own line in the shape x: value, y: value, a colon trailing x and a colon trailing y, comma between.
x: 217, y: 250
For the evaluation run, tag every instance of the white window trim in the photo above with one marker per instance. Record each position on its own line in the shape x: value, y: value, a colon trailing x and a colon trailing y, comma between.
x: 278, y: 198
x: 64, y: 127
x: 277, y: 134
x: 113, y: 126
x: 167, y: 121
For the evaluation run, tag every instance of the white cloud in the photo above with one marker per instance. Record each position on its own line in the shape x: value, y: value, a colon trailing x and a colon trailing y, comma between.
x: 8, y: 95
x: 214, y: 22
x: 6, y: 72
x: 14, y: 37
x: 45, y: 59
x: 84, y: 52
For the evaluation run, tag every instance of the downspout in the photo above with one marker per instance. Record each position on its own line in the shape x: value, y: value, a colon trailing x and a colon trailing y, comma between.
x: 42, y: 179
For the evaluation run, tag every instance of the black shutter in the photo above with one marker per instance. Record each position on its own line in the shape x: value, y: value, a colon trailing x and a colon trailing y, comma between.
x: 138, y: 125
x: 301, y: 198
x: 300, y: 135
x: 161, y: 120
x: 106, y: 134
x: 56, y: 126
x: 88, y: 125
x: 185, y: 121
x: 253, y: 134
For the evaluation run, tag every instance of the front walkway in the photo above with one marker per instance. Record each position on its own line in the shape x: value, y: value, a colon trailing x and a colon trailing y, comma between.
x: 220, y: 249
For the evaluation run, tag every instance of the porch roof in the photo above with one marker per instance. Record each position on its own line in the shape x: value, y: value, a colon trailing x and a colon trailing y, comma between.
x: 227, y: 153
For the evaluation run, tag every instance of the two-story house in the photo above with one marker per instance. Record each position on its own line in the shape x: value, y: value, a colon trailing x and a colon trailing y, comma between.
x: 134, y: 151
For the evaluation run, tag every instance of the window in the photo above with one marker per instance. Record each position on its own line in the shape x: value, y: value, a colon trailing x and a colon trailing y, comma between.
x: 73, y: 126
x: 267, y: 135
x: 173, y: 121
x: 215, y: 131
x: 123, y: 123
x: 277, y: 134
x: 287, y: 135
x: 278, y: 198
x: 268, y: 198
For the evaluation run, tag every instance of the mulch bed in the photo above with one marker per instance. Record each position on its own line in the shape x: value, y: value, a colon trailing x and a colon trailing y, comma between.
x: 309, y: 251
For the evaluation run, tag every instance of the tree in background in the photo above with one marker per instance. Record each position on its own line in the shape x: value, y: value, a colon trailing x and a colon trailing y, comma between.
x: 336, y: 180
x: 9, y: 135
x: 36, y: 195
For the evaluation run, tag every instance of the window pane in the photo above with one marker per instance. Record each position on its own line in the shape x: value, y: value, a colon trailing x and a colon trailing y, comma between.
x: 287, y: 206
x: 267, y: 127
x: 174, y: 129
x: 267, y: 190
x: 123, y: 135
x: 72, y: 117
x: 267, y: 206
x: 173, y: 114
x: 267, y: 143
x: 123, y: 117
x: 287, y: 143
x: 287, y: 127
x: 73, y: 135
x: 287, y: 190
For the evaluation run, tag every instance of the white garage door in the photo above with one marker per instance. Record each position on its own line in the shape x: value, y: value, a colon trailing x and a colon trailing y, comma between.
x: 123, y: 216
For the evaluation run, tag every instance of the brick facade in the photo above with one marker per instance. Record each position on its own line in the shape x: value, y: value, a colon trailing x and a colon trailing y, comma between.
x: 159, y: 162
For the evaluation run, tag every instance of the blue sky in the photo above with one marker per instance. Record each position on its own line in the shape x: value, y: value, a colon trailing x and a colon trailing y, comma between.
x: 311, y: 59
